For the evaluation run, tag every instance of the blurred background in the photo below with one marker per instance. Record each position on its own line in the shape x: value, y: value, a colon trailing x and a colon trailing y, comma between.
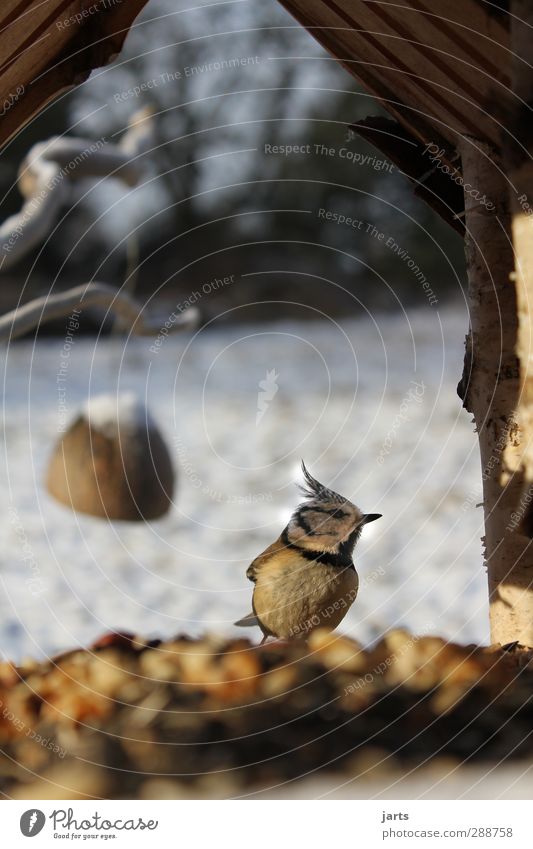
x: 229, y: 81
x: 332, y: 324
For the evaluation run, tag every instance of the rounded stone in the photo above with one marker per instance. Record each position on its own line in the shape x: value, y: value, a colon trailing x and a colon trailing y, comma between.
x: 112, y: 462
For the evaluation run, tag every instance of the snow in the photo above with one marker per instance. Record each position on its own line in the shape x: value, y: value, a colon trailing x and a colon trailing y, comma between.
x: 346, y: 402
x: 109, y: 413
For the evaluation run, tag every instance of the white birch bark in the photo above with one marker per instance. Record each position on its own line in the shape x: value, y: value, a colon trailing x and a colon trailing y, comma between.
x: 519, y: 162
x: 493, y: 385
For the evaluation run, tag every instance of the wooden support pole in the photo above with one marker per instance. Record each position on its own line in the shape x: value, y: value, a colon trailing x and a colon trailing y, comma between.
x: 518, y: 155
x: 491, y: 389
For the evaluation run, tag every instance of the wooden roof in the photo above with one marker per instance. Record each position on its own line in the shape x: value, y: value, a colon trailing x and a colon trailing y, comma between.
x: 437, y: 66
x: 440, y: 67
x: 47, y: 47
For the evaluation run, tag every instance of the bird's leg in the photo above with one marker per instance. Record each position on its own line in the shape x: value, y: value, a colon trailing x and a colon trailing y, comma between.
x: 263, y: 641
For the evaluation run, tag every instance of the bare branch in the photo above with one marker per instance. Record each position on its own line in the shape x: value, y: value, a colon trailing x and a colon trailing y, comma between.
x: 36, y: 312
x: 47, y: 173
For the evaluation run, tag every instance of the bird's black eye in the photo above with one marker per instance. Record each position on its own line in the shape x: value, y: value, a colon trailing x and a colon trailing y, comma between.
x: 339, y: 513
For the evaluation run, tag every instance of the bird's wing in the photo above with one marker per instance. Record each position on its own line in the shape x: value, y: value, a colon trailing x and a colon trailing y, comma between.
x: 255, y: 566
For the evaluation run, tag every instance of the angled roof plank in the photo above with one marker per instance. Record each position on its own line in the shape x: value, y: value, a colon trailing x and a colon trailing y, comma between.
x: 48, y: 47
x: 437, y: 68
x: 435, y: 187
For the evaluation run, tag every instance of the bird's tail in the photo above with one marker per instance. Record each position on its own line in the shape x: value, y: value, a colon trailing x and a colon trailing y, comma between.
x: 247, y: 621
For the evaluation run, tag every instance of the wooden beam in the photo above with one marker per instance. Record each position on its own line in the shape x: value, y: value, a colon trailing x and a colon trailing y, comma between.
x: 492, y: 386
x: 434, y: 171
x: 47, y: 48
x: 437, y: 67
x: 519, y: 168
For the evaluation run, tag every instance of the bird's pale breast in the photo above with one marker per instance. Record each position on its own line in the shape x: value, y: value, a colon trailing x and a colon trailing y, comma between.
x: 294, y: 595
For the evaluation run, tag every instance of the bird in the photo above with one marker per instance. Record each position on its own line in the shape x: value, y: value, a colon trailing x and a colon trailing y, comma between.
x: 307, y: 579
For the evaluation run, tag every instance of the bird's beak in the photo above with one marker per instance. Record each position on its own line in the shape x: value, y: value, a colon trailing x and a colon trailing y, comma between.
x: 371, y: 517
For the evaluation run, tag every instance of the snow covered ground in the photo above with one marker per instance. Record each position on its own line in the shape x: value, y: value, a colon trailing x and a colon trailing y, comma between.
x: 371, y: 407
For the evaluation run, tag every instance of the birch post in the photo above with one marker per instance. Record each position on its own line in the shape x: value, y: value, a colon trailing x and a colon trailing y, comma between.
x: 519, y: 162
x: 491, y: 388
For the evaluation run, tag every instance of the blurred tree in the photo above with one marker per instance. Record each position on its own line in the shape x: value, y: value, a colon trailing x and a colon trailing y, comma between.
x: 227, y: 81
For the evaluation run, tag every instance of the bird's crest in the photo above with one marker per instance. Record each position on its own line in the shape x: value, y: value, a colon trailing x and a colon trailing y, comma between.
x: 315, y: 490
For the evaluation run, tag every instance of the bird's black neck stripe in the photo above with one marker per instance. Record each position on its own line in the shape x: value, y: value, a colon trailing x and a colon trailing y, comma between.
x: 328, y: 558
x: 346, y: 548
x: 339, y: 560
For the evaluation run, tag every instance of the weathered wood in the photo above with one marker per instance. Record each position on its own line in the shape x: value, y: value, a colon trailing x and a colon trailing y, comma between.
x: 47, y: 48
x: 492, y: 386
x: 434, y: 184
x: 519, y: 164
x: 438, y: 68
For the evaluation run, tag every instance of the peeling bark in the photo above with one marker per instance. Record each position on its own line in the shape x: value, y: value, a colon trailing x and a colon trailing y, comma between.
x: 491, y: 388
x: 518, y: 150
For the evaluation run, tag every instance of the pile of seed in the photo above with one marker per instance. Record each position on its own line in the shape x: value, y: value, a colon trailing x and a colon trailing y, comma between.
x: 217, y: 718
